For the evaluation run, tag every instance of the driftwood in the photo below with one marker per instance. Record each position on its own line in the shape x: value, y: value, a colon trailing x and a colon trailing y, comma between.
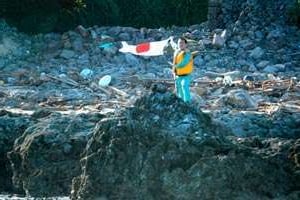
x: 268, y: 107
x: 118, y: 91
x: 291, y: 106
x: 269, y: 87
x: 222, y: 75
x: 64, y: 80
x: 107, y: 90
x: 286, y: 84
x: 104, y: 90
x: 112, y: 102
x: 145, y: 80
x: 74, y: 83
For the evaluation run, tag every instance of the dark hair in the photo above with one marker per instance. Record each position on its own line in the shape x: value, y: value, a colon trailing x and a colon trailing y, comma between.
x: 184, y: 39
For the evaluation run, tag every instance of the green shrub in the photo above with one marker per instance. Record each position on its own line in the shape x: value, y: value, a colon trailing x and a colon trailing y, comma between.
x: 294, y: 14
x: 36, y: 16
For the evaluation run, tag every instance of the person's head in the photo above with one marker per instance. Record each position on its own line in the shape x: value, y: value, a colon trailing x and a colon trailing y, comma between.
x: 182, y: 43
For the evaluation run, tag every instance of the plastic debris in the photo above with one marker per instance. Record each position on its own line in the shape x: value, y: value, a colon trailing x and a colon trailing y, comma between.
x: 86, y: 73
x: 104, y: 81
x: 227, y: 81
x: 106, y: 45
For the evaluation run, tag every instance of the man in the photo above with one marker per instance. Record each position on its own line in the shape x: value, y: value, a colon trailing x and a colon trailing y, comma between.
x: 182, y: 68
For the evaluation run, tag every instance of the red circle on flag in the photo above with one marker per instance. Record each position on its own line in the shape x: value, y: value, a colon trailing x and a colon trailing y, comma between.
x: 143, y: 47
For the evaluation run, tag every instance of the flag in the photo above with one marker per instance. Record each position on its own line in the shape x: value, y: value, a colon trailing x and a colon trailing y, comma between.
x: 146, y: 49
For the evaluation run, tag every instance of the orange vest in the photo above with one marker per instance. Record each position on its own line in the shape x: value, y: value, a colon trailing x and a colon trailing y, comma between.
x: 187, y: 69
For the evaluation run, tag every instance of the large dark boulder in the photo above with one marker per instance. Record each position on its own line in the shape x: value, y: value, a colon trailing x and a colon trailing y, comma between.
x: 11, y: 127
x: 46, y: 157
x: 129, y: 152
x: 165, y: 149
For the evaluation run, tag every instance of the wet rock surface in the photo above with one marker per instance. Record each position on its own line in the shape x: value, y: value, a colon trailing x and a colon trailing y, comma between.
x: 45, y: 157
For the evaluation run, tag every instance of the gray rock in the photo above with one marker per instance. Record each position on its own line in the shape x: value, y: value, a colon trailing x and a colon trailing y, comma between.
x: 54, y: 155
x: 12, y: 126
x: 238, y: 99
x: 274, y: 68
x: 67, y: 54
x: 262, y: 64
x: 259, y: 35
x: 207, y: 58
x: 233, y: 45
x: 124, y: 37
x: 199, y: 61
x: 77, y: 45
x: 132, y: 60
x: 112, y: 50
x: 252, y: 68
x: 148, y: 135
x: 275, y: 34
x: 257, y: 53
x: 2, y: 63
x: 242, y: 124
x: 126, y: 156
x: 246, y: 44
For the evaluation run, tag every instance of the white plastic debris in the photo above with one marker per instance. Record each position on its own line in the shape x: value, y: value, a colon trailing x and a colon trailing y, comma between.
x: 227, y: 81
x: 104, y: 81
x: 62, y: 76
x: 43, y: 76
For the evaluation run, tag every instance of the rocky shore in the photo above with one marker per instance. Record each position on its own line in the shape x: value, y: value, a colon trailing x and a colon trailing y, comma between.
x: 61, y: 134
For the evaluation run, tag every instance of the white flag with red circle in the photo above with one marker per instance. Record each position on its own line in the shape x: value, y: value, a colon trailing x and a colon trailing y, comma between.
x: 146, y: 49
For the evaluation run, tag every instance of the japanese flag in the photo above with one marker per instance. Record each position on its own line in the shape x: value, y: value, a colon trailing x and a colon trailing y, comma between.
x: 146, y: 49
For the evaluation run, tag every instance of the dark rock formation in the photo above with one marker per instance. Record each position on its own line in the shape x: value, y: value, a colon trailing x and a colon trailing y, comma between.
x: 247, y: 124
x: 129, y: 153
x: 165, y: 149
x: 159, y: 147
x: 252, y: 12
x: 295, y: 157
x: 11, y: 127
x: 46, y: 157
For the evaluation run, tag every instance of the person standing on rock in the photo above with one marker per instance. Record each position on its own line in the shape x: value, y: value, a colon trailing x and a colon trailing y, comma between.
x: 182, y: 69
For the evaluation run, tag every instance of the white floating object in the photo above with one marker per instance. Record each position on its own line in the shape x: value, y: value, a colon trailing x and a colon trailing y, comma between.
x: 104, y: 81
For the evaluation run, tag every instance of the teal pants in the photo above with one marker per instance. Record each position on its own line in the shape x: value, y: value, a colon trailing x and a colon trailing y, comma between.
x: 182, y: 84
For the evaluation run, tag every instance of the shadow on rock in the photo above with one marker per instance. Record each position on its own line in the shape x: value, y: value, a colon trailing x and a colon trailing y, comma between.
x: 11, y: 127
